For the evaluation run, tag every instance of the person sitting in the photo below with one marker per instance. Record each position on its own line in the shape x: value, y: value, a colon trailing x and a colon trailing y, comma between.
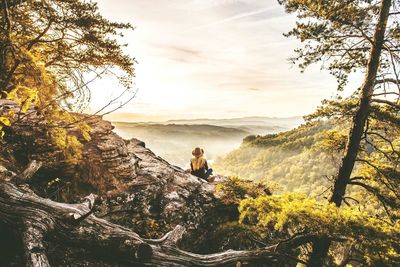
x: 198, y: 164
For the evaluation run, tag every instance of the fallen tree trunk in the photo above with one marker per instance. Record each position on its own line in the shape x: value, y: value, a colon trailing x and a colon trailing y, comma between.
x: 38, y: 220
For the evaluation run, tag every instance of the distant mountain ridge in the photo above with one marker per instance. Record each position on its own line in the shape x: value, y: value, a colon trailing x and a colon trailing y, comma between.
x: 253, y: 120
x: 201, y: 130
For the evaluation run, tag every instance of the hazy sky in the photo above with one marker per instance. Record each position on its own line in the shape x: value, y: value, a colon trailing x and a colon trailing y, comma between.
x: 212, y: 58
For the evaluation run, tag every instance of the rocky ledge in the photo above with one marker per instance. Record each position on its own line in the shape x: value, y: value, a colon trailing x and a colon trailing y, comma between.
x: 135, y: 187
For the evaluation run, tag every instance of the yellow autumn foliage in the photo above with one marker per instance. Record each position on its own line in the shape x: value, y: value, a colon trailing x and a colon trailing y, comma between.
x: 48, y: 59
x: 376, y: 237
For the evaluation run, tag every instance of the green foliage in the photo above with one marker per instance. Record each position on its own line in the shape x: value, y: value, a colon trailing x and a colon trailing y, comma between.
x: 375, y: 180
x: 334, y: 109
x: 236, y: 189
x: 69, y: 144
x: 333, y: 140
x: 299, y: 160
x: 375, y: 239
x: 337, y: 34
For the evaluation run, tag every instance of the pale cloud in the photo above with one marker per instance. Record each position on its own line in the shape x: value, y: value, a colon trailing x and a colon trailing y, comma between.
x: 235, y: 17
x: 213, y: 58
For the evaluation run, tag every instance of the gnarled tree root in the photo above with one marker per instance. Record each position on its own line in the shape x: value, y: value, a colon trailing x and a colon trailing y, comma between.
x: 37, y: 220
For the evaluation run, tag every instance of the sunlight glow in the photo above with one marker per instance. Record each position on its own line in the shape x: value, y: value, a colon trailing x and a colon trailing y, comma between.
x: 212, y: 59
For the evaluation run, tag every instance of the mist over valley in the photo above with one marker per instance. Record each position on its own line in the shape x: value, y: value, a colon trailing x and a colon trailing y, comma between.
x: 174, y: 140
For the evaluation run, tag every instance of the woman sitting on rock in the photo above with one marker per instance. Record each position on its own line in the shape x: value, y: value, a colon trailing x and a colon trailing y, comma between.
x: 198, y: 164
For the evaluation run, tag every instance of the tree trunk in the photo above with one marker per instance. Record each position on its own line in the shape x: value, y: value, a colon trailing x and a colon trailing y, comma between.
x: 360, y: 118
x: 321, y: 247
x: 38, y: 220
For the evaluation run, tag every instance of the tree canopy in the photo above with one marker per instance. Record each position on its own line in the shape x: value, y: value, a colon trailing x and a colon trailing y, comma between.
x: 50, y: 52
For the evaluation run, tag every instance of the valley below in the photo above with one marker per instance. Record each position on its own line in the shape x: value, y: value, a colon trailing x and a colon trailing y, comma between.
x: 174, y: 140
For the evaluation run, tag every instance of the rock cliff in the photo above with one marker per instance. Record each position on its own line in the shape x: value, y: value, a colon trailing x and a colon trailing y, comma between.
x: 135, y: 187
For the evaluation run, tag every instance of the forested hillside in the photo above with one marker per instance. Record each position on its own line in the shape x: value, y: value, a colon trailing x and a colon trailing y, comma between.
x: 299, y: 160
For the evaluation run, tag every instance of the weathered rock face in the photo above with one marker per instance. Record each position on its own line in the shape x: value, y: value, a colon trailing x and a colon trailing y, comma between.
x: 161, y: 196
x: 106, y: 163
x: 135, y: 187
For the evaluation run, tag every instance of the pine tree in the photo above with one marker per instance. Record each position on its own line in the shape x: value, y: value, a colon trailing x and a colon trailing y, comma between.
x: 349, y: 36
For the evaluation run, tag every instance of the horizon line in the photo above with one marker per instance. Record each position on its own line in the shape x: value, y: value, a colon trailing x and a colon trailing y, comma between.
x: 210, y: 119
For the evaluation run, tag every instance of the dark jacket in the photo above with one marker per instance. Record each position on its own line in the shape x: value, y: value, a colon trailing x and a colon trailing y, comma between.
x: 201, y: 173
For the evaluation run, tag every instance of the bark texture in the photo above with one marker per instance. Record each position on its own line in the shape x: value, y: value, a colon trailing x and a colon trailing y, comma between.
x: 38, y: 220
x: 360, y: 118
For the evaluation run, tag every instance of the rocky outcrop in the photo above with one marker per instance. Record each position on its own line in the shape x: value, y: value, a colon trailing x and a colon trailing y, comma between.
x: 136, y: 188
x: 160, y: 196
